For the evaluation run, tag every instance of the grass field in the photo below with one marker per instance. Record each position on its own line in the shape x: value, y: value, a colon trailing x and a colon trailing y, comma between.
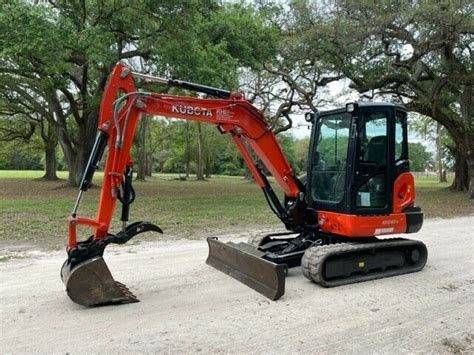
x: 35, y: 211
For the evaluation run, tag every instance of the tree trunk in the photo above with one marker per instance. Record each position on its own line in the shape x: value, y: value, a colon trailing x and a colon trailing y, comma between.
x: 471, y: 179
x: 77, y: 155
x: 439, y: 154
x: 50, y: 142
x: 467, y: 114
x: 461, y: 173
x: 149, y: 164
x: 141, y: 150
x: 470, y: 168
x: 200, y: 160
x: 50, y: 163
x: 208, y: 166
x: 187, y: 151
x: 81, y: 159
x: 70, y: 155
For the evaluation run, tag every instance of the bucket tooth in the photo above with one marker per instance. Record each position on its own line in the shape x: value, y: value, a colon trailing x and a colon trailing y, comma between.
x: 244, y: 263
x: 90, y: 283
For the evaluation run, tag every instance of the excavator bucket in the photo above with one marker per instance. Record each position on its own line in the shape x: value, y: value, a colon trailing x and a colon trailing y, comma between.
x: 86, y: 276
x: 90, y: 283
x: 244, y: 263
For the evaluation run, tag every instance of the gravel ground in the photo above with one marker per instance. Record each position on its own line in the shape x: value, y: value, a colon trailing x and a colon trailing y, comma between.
x: 186, y: 306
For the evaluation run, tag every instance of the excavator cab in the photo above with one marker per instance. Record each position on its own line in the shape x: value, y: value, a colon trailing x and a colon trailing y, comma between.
x: 358, y: 157
x: 355, y: 156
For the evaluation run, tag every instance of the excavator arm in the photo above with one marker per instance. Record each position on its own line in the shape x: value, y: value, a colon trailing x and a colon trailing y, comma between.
x: 119, y: 116
x: 85, y: 274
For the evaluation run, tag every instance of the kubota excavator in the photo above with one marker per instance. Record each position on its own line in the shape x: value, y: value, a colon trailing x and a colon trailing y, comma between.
x: 357, y: 187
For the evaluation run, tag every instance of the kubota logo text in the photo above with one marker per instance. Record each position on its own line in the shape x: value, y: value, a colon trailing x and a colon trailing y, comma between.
x: 191, y: 110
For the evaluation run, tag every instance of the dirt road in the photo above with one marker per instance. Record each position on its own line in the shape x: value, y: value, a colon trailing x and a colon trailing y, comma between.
x: 186, y: 306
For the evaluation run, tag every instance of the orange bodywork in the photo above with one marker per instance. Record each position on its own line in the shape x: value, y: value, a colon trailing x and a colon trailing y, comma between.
x: 403, y: 192
x: 349, y: 225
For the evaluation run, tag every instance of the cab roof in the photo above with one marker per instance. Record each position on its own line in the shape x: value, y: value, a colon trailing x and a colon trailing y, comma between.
x: 365, y: 105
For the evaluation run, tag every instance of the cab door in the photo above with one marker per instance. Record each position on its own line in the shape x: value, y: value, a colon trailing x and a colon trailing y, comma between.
x: 371, y: 191
x: 327, y: 177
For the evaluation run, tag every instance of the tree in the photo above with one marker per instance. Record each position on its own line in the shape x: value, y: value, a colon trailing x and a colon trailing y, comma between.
x: 436, y: 134
x: 290, y: 81
x: 287, y: 143
x: 301, y: 154
x: 233, y: 37
x: 66, y: 59
x: 20, y: 147
x: 141, y: 148
x: 420, y: 158
x: 419, y: 53
x: 20, y: 121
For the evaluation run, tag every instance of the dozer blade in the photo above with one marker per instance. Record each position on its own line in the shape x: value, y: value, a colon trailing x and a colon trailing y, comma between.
x: 244, y: 263
x: 90, y: 283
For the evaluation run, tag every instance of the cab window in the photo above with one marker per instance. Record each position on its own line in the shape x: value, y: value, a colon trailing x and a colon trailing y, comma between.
x: 330, y: 158
x: 371, y: 165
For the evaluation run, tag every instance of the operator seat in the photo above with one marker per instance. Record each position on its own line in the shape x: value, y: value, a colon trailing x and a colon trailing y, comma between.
x: 377, y: 151
x: 376, y: 185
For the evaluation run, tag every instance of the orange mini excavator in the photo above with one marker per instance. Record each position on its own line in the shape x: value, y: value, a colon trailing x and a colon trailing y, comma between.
x: 357, y: 187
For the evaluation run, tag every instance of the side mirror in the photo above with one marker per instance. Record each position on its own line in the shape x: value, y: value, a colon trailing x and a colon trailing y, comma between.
x: 309, y: 116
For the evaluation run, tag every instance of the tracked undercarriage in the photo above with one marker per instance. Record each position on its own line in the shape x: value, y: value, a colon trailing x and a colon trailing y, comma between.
x: 328, y: 261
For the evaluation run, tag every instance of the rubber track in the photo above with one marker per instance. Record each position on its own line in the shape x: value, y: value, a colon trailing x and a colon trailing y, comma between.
x: 314, y: 258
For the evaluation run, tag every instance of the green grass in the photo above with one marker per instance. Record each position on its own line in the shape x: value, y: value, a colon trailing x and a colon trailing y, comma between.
x: 35, y: 211
x: 437, y: 200
x: 37, y: 174
x: 27, y: 174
